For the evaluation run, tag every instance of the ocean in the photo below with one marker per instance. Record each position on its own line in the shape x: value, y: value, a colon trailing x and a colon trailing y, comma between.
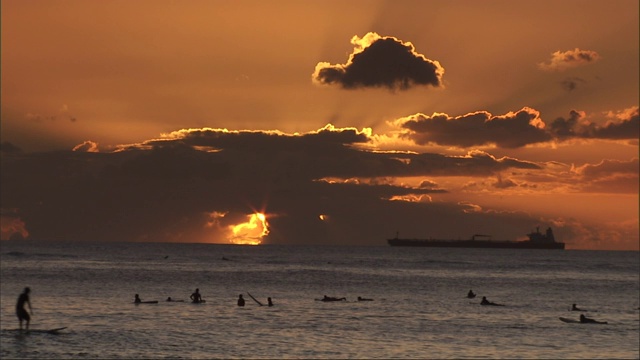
x: 419, y: 308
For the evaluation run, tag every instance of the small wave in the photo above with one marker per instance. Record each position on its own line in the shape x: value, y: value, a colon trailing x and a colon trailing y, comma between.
x: 15, y: 253
x: 18, y: 254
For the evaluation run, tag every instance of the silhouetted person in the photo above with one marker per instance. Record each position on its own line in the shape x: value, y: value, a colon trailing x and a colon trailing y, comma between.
x: 363, y: 299
x: 240, y: 300
x: 584, y: 319
x: 137, y: 299
x: 487, y: 302
x: 269, y: 303
x: 196, y: 297
x: 575, y: 308
x: 471, y: 294
x: 22, y: 313
x: 331, y: 298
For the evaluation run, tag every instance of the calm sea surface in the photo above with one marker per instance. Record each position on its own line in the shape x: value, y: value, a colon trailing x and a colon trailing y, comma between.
x: 420, y: 309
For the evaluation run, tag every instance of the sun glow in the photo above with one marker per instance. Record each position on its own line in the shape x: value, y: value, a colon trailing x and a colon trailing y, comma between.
x: 250, y: 232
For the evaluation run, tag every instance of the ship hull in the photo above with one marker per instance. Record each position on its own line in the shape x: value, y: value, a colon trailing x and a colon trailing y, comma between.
x: 480, y: 244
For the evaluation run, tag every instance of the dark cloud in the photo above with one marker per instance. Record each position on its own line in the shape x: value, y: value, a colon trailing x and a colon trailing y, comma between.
x: 610, y: 176
x: 381, y: 62
x: 566, y: 128
x: 512, y: 130
x: 572, y: 83
x: 176, y: 189
x: 624, y: 126
x: 562, y: 60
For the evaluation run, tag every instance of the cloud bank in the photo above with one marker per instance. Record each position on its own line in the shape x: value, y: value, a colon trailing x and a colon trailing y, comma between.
x: 192, y: 185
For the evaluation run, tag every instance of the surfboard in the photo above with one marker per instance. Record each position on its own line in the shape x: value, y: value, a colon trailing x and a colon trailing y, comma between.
x: 254, y: 299
x: 574, y: 321
x: 39, y: 331
x: 54, y: 331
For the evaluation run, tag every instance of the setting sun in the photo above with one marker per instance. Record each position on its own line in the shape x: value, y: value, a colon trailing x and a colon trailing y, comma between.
x: 250, y: 232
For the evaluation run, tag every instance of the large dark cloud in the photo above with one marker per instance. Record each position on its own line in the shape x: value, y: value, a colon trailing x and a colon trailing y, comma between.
x: 476, y: 129
x: 381, y: 62
x: 168, y: 190
x: 515, y: 129
x: 624, y: 126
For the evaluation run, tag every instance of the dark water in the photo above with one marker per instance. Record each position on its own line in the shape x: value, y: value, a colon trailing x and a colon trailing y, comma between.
x: 419, y: 308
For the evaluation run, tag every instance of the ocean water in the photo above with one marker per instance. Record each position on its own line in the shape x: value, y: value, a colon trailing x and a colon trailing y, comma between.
x: 419, y: 308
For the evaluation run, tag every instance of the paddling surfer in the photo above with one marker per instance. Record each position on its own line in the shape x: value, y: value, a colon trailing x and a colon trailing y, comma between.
x: 137, y: 299
x: 487, y: 302
x: 269, y: 302
x: 240, y: 300
x: 196, y: 297
x: 22, y: 313
x: 575, y: 308
x: 471, y: 294
x: 584, y: 319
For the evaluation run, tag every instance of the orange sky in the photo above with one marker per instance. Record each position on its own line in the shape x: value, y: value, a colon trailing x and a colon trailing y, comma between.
x: 448, y: 118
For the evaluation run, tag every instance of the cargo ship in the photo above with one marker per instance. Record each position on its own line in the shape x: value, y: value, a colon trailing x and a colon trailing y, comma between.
x: 537, y: 240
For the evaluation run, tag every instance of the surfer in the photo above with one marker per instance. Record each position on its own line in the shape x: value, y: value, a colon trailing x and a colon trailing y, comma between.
x: 575, y: 308
x: 584, y: 319
x: 22, y: 313
x: 471, y: 294
x: 196, y: 297
x: 487, y: 302
x: 331, y: 298
x: 240, y: 300
x: 363, y: 299
x: 269, y: 303
x: 137, y: 299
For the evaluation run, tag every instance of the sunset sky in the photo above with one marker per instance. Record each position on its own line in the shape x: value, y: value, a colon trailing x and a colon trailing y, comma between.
x: 320, y: 122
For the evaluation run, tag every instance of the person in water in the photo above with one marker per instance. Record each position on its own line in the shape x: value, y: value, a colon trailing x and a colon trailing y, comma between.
x: 363, y: 299
x: 240, y: 300
x: 471, y: 294
x: 22, y: 313
x: 584, y: 319
x: 137, y: 299
x: 269, y: 302
x: 196, y: 297
x: 487, y: 302
x: 328, y: 298
x: 575, y: 308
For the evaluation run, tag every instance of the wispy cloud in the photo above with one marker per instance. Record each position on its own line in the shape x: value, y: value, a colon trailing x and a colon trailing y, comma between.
x: 562, y: 60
